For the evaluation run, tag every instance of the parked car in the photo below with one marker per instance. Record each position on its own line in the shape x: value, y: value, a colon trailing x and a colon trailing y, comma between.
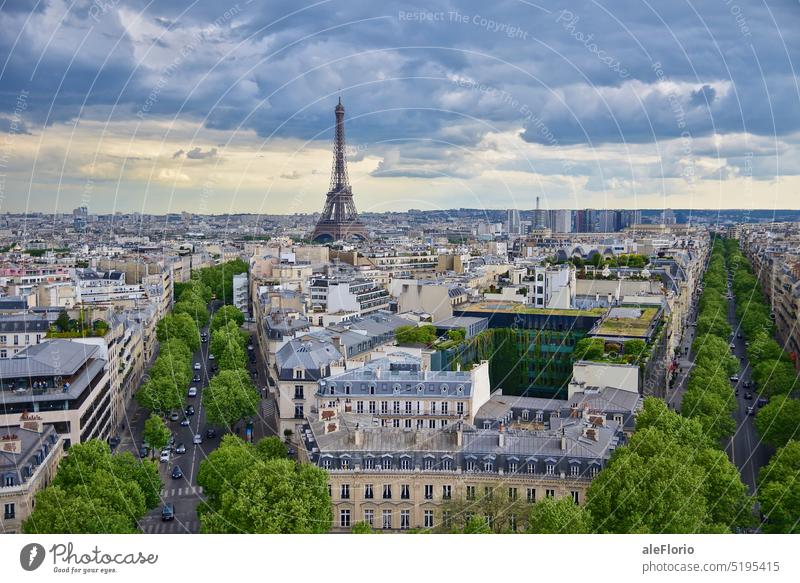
x: 762, y: 401
x: 249, y: 347
x: 192, y: 392
x: 174, y: 416
x: 732, y: 346
x: 196, y: 366
x: 177, y: 473
x: 180, y: 448
x: 168, y: 511
x: 197, y: 439
x: 211, y: 433
x: 211, y: 357
x: 164, y: 457
x: 735, y: 378
x: 196, y: 378
x: 144, y: 451
x: 751, y: 410
x: 739, y: 335
x: 185, y: 422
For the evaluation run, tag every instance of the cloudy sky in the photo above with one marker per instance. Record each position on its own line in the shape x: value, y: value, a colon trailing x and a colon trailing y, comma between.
x: 213, y: 106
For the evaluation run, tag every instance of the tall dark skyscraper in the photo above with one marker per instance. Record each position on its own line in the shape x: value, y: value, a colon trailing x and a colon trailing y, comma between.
x: 339, y: 218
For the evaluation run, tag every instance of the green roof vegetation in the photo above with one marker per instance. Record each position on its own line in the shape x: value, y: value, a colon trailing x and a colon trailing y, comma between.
x: 616, y: 326
x: 523, y: 309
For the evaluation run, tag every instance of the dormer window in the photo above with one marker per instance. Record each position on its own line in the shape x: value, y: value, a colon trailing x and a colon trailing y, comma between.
x: 460, y: 389
x: 525, y: 415
x: 372, y: 389
x: 396, y: 388
x: 420, y: 388
x: 444, y: 389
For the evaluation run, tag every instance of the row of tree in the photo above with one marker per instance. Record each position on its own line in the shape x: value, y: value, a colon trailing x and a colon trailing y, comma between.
x: 217, y: 280
x: 257, y: 489
x: 95, y: 492
x: 778, y: 423
x: 709, y: 397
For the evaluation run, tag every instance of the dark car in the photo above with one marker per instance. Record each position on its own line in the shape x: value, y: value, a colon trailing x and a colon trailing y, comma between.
x: 144, y: 451
x: 185, y: 422
x: 180, y: 448
x: 190, y: 410
x: 748, y: 396
x: 177, y: 473
x: 196, y: 378
x: 168, y: 511
x: 211, y: 433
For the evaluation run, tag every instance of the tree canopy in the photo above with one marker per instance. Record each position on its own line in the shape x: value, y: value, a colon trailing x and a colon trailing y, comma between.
x: 230, y: 397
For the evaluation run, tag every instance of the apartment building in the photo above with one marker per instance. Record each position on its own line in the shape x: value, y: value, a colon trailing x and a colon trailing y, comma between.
x: 17, y: 331
x: 398, y: 391
x: 106, y: 287
x: 348, y: 294
x: 241, y: 293
x: 64, y: 382
x: 397, y: 479
x: 30, y: 451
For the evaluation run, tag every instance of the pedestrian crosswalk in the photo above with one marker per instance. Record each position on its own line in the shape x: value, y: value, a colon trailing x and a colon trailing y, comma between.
x: 186, y: 491
x: 171, y: 527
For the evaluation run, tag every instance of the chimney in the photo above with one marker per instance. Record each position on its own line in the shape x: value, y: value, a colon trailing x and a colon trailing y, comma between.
x: 501, y: 436
x: 563, y: 440
x: 10, y: 443
x: 31, y: 422
x: 358, y: 436
x: 460, y: 435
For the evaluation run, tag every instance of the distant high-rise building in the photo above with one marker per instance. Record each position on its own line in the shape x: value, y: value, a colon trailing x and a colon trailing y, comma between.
x: 630, y: 218
x: 513, y: 223
x: 560, y: 220
x: 80, y: 216
x: 668, y: 217
x: 584, y: 221
x: 539, y: 217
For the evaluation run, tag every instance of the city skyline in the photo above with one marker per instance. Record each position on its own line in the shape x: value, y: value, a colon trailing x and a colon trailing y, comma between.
x: 226, y: 108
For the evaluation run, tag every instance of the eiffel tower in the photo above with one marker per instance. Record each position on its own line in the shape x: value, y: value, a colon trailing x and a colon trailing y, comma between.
x: 339, y: 220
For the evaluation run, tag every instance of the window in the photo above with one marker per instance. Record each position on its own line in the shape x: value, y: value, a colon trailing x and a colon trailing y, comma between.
x: 396, y: 423
x: 407, y: 423
x: 447, y: 492
x: 405, y: 492
x: 444, y: 407
x: 488, y: 492
x: 344, y: 463
x: 512, y: 522
x: 525, y: 415
x: 372, y: 407
x: 298, y: 392
x: 427, y: 463
x: 470, y: 492
x: 550, y: 493
x: 574, y: 470
x: 471, y: 465
x: 433, y: 407
x: 489, y: 520
x: 345, y: 491
x: 447, y: 464
x: 298, y: 411
x: 488, y: 466
x: 396, y: 407
x: 405, y: 519
x: 359, y: 406
x: 594, y: 470
x: 432, y: 423
x: 512, y: 467
x: 387, y: 519
x: 387, y: 491
x: 551, y: 469
x: 575, y: 496
x: 428, y: 518
x: 9, y: 511
x: 298, y: 373
x: 531, y: 495
x: 512, y: 494
x: 460, y: 408
x: 344, y: 518
x: 405, y: 463
x: 369, y: 516
x: 384, y: 407
x: 372, y: 389
x: 446, y: 521
x: 368, y: 493
x: 369, y: 463
x: 326, y: 463
x: 428, y: 491
x: 531, y: 467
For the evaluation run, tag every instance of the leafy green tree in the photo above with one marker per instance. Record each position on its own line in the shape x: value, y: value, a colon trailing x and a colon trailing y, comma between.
x: 232, y: 357
x: 271, y: 448
x: 221, y: 470
x: 476, y: 525
x: 635, y: 347
x: 362, y: 528
x: 779, y: 490
x: 225, y: 315
x: 778, y: 421
x: 230, y: 397
x: 180, y: 326
x: 589, y: 349
x: 711, y: 410
x: 62, y: 322
x: 58, y: 511
x: 775, y: 377
x: 274, y: 496
x: 160, y: 395
x: 562, y: 516
x: 156, y: 433
x: 425, y: 334
x: 194, y: 307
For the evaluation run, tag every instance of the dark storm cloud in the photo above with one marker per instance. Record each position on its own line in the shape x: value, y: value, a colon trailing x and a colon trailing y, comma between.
x: 633, y: 73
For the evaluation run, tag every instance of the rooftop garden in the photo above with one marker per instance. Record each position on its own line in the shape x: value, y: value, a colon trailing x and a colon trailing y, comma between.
x: 634, y: 351
x: 623, y: 326
x: 523, y: 309
x: 81, y: 327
